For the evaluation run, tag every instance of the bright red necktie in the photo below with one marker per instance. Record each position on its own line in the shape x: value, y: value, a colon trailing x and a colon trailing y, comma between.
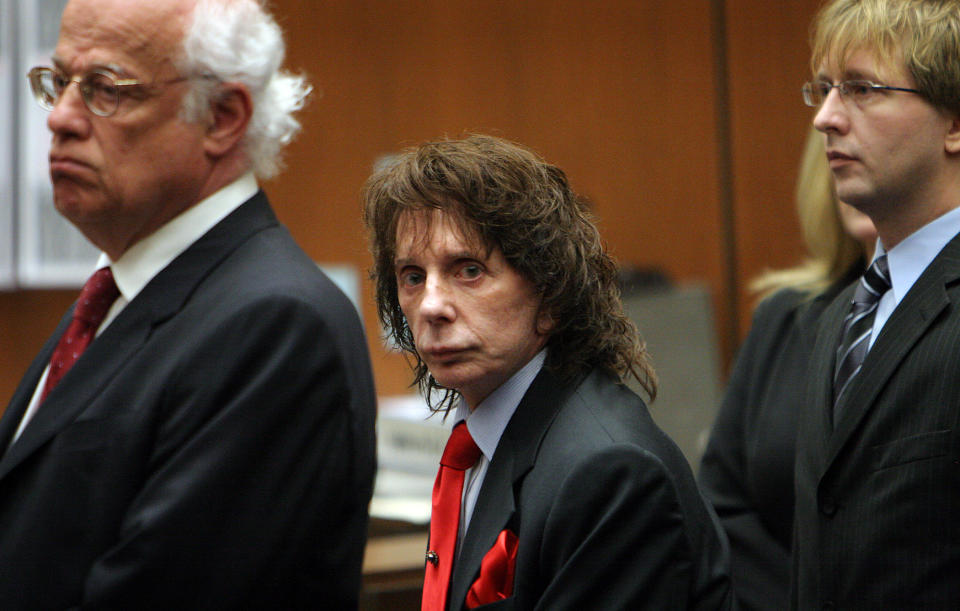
x: 97, y: 296
x: 460, y: 454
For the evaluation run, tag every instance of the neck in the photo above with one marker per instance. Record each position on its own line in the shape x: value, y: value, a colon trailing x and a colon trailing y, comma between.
x: 897, y: 227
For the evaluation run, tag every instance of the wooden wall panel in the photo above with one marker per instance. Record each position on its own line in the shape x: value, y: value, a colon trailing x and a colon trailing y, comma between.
x: 768, y: 59
x: 26, y: 320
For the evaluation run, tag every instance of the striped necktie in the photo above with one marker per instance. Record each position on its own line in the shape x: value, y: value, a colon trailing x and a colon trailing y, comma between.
x: 857, y: 327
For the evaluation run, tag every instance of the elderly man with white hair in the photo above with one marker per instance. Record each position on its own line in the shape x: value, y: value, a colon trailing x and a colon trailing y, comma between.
x: 198, y: 431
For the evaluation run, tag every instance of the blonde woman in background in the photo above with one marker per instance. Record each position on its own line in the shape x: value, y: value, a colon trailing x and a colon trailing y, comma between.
x: 747, y: 470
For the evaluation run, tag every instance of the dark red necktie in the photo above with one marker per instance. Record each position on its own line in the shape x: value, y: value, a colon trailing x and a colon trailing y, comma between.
x: 97, y: 296
x: 460, y: 454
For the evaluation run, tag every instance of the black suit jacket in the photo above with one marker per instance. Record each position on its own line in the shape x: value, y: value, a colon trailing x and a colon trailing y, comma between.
x: 878, y: 495
x: 604, y: 504
x: 747, y: 469
x: 212, y: 449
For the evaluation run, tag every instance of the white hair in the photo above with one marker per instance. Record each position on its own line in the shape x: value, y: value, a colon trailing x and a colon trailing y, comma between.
x: 239, y: 41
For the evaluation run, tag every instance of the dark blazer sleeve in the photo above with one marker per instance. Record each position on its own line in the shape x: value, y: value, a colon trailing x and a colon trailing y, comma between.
x: 255, y: 409
x: 758, y: 414
x: 618, y: 537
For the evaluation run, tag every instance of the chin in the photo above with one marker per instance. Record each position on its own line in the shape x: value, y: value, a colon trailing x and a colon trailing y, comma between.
x: 859, y: 199
x: 77, y: 209
x: 449, y: 379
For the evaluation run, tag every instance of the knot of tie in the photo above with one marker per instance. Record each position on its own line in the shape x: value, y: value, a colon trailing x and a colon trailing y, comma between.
x: 97, y: 296
x: 874, y: 283
x: 461, y: 451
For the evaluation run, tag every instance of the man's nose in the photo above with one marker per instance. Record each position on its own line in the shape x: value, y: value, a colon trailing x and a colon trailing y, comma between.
x: 437, y: 302
x: 69, y: 114
x: 832, y: 114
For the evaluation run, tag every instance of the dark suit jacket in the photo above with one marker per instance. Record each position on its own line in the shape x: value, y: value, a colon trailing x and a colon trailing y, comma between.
x: 878, y: 496
x: 212, y: 449
x: 747, y: 469
x: 604, y: 504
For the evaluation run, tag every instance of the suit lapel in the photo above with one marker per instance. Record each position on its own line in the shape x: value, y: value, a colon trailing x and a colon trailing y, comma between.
x: 822, y: 365
x: 161, y: 299
x: 515, y: 455
x: 907, y: 324
x: 98, y: 364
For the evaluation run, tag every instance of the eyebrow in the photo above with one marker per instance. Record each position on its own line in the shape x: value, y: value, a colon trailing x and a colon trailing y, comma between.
x: 112, y: 68
x: 851, y: 75
x: 454, y: 256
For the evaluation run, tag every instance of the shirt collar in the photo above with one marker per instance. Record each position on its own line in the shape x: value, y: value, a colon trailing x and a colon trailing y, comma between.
x: 145, y: 259
x: 487, y: 422
x: 909, y: 258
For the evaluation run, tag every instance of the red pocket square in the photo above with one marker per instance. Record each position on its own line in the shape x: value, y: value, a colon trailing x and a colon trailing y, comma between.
x: 496, y: 572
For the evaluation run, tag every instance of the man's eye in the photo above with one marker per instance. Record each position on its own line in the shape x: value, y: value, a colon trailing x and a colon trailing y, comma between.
x: 824, y: 89
x: 60, y: 82
x: 410, y: 278
x: 102, y: 87
x: 471, y: 271
x: 859, y: 89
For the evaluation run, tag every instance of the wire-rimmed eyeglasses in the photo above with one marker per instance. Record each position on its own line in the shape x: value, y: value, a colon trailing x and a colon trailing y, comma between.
x: 100, y: 89
x: 859, y: 92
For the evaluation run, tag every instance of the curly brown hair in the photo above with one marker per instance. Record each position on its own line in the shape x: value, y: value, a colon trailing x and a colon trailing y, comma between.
x: 513, y: 200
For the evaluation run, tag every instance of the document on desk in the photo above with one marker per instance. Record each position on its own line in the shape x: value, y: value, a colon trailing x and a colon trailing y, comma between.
x: 409, y: 445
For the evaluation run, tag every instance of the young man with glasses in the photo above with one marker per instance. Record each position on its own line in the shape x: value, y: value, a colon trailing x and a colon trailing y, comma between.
x: 198, y: 432
x: 877, y: 479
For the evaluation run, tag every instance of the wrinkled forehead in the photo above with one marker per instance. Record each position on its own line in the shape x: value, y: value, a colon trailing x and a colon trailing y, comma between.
x: 136, y: 36
x: 416, y: 229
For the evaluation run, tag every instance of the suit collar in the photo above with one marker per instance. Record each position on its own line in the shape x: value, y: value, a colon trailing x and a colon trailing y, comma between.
x: 489, y: 420
x: 907, y: 324
x: 145, y: 259
x: 169, y: 290
x: 163, y: 297
x: 914, y: 254
x: 514, y: 457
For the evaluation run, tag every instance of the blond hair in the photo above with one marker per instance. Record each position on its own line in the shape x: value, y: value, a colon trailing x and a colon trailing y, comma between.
x: 921, y: 35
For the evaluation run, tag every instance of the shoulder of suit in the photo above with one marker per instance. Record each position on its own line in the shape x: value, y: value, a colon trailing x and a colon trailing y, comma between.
x: 600, y: 413
x: 781, y: 304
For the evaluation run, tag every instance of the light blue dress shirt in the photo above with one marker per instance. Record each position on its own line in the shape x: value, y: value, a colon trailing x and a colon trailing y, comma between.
x: 908, y: 259
x: 486, y: 424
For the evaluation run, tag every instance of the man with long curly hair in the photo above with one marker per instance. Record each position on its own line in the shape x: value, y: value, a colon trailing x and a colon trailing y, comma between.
x: 492, y: 277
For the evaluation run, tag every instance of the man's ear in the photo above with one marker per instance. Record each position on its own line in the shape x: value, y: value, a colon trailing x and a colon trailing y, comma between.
x: 545, y: 322
x: 952, y: 141
x: 230, y: 110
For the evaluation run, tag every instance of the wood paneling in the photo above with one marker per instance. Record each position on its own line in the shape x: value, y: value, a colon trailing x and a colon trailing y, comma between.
x: 26, y: 320
x: 768, y: 62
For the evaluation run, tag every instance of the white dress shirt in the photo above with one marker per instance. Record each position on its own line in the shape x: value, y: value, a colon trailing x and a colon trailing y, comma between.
x: 148, y: 257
